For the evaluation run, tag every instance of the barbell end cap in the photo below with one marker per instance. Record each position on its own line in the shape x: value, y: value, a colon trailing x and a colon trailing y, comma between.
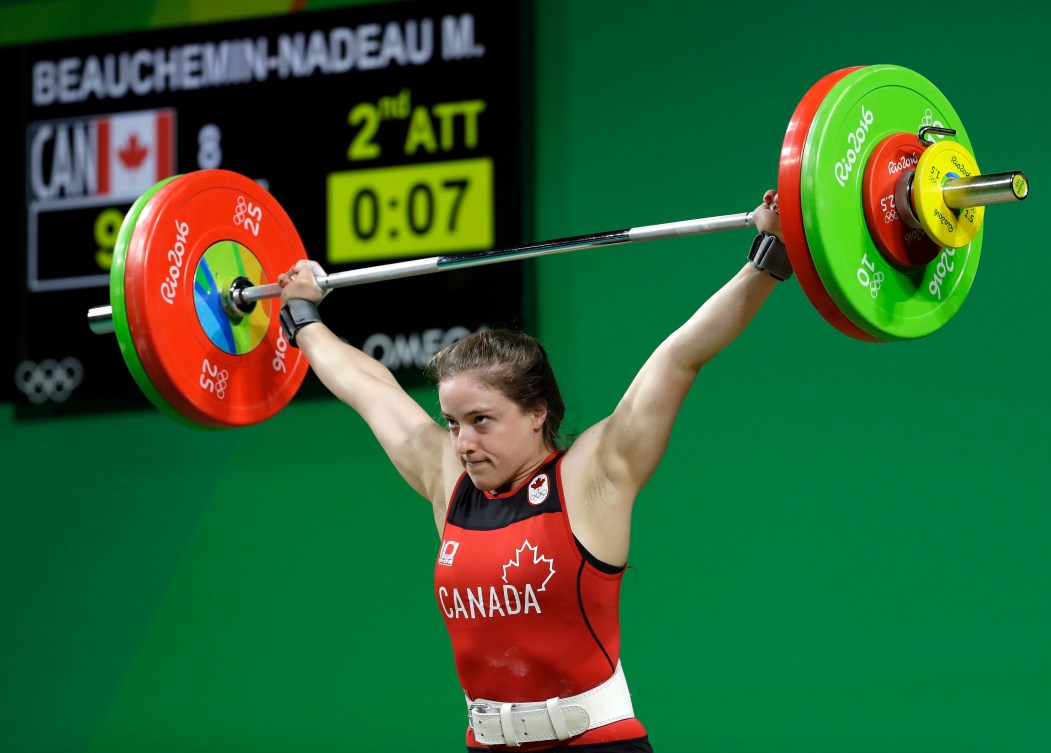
x: 100, y: 319
x: 1020, y: 185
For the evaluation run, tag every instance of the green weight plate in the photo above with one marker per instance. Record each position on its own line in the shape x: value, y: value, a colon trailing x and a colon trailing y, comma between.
x: 118, y: 304
x: 882, y: 299
x: 788, y: 197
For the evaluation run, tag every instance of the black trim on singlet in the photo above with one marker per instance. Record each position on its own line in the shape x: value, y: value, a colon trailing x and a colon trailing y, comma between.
x: 596, y: 563
x: 480, y: 513
x: 584, y: 614
x: 476, y: 510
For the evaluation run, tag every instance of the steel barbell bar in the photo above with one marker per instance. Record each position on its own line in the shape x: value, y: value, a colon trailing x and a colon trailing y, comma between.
x: 959, y: 193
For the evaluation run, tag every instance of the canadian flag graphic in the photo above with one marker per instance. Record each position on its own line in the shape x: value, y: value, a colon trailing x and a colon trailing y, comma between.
x: 135, y: 150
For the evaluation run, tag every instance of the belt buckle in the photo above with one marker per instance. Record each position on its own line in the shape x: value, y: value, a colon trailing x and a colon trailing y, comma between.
x: 471, y: 708
x: 480, y: 709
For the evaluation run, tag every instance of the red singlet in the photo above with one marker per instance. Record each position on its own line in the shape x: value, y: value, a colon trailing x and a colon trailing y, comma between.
x: 531, y: 615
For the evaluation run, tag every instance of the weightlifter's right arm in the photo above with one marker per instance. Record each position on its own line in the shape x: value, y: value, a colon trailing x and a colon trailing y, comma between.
x: 413, y: 441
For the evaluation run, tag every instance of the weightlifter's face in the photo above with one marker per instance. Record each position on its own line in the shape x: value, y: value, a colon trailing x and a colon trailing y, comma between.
x: 496, y: 441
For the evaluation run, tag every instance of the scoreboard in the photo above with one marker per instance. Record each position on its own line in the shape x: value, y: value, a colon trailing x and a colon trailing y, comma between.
x: 387, y: 132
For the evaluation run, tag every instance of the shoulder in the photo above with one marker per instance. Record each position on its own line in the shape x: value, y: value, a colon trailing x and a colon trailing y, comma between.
x: 591, y: 469
x: 597, y: 495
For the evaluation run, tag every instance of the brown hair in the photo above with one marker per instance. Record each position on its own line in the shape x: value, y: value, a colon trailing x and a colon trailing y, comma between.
x: 513, y: 363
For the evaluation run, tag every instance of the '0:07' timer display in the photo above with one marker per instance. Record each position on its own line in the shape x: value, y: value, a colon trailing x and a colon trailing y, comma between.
x: 410, y: 210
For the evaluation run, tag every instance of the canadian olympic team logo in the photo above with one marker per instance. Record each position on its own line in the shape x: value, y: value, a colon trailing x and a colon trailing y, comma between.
x: 539, y: 489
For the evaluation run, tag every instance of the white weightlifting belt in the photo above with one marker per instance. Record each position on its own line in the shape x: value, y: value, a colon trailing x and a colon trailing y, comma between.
x: 501, y: 723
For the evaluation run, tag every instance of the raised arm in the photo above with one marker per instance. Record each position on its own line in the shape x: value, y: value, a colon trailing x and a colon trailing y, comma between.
x: 419, y: 448
x: 610, y: 462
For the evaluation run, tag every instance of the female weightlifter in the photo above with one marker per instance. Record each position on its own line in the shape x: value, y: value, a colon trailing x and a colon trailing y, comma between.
x: 534, y: 534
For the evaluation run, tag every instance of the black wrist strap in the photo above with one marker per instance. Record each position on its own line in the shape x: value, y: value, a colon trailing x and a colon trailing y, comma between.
x: 295, y: 315
x: 770, y: 255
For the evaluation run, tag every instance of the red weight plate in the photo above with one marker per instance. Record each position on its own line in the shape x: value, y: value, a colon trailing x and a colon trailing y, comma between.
x: 901, y: 244
x: 167, y: 316
x: 790, y: 204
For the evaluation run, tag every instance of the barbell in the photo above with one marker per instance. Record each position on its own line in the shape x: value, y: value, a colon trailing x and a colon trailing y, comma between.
x: 881, y: 200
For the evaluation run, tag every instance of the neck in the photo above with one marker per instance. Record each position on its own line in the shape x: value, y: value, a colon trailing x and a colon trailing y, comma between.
x: 519, y: 478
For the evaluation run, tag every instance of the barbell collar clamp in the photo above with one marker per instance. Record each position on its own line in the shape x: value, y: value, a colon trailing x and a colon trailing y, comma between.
x: 903, y: 200
x: 236, y: 310
x: 924, y: 130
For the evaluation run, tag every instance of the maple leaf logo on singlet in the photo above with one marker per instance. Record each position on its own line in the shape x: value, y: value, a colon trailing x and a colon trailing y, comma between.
x: 539, y: 488
x: 543, y: 567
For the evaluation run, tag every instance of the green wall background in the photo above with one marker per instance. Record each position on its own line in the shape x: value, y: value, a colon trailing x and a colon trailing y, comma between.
x: 846, y: 548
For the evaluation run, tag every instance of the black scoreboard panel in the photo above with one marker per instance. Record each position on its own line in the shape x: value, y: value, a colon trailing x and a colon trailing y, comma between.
x: 387, y: 132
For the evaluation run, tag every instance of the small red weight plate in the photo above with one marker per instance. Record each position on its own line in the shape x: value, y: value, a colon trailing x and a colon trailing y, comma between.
x: 901, y: 244
x: 790, y: 204
x: 211, y: 386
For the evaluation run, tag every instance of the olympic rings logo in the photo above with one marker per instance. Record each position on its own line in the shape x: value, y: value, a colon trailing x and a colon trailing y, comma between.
x: 248, y: 214
x: 49, y: 379
x: 877, y: 280
x: 221, y: 380
x: 241, y: 210
x: 214, y: 379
